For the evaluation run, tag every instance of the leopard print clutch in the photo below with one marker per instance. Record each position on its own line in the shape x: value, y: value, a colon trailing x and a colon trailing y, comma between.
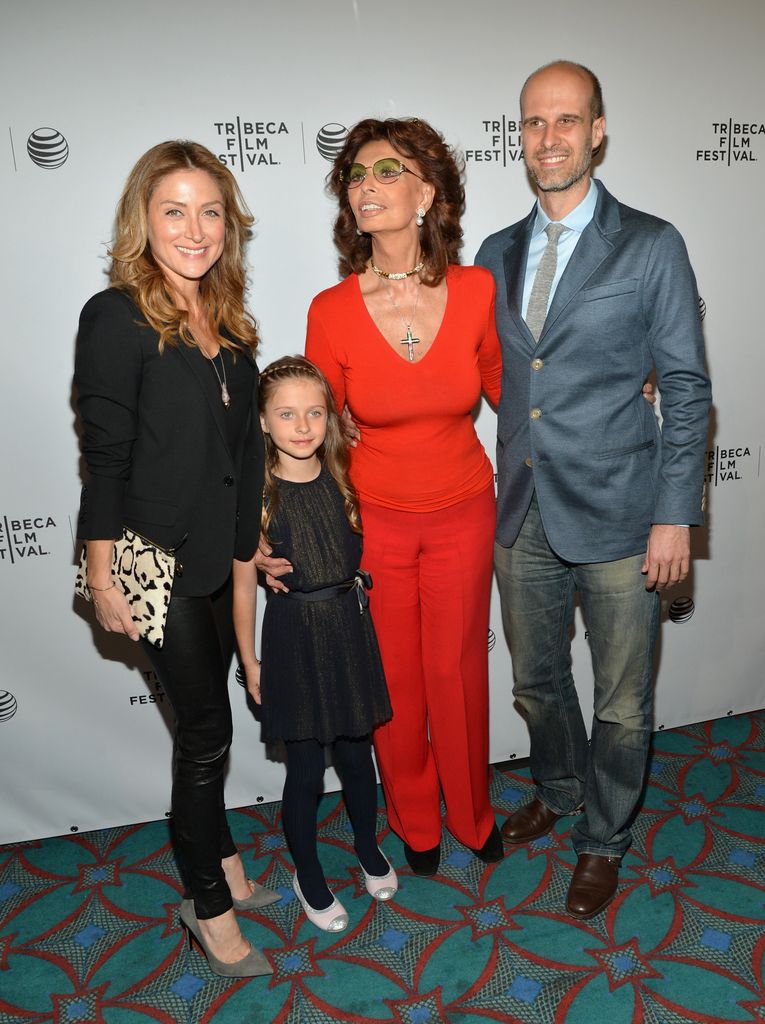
x: 146, y: 573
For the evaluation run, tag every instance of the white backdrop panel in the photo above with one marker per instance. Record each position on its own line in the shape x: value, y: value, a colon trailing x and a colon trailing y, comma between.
x: 85, y: 740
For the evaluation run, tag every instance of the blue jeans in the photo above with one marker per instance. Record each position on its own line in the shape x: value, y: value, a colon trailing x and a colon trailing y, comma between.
x: 536, y: 589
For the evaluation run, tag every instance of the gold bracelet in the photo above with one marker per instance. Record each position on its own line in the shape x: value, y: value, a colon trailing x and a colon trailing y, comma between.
x: 101, y: 590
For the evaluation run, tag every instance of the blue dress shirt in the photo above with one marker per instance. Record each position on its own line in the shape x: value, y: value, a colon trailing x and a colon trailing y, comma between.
x: 575, y: 223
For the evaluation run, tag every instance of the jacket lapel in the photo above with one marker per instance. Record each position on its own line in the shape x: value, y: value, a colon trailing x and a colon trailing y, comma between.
x: 514, y: 259
x: 206, y: 381
x: 593, y: 247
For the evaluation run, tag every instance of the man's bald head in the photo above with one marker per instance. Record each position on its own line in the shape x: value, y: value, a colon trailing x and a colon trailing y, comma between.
x: 596, y: 99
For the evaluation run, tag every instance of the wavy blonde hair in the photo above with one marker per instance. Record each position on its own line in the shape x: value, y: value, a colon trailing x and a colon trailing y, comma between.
x: 333, y: 452
x: 134, y: 269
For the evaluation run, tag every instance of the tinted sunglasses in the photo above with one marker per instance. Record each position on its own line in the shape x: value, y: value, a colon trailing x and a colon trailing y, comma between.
x: 386, y: 171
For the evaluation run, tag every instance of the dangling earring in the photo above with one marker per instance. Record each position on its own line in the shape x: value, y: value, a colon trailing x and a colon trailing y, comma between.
x: 359, y: 231
x: 419, y: 220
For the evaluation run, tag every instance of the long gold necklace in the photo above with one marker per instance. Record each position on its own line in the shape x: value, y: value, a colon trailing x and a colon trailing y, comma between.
x: 225, y: 397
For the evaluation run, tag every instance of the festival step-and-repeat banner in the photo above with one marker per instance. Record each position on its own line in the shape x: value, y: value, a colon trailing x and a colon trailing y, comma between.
x: 85, y: 729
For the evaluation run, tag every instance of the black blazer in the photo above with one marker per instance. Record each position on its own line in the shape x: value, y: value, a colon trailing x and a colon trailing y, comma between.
x: 154, y: 439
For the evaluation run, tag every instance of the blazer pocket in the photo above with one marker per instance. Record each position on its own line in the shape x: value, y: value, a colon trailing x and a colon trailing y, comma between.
x: 607, y: 291
x: 160, y: 513
x: 630, y: 449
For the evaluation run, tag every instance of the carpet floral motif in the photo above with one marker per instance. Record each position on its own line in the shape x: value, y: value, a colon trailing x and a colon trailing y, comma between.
x: 89, y: 932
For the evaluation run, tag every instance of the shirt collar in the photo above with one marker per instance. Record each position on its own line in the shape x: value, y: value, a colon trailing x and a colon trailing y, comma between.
x: 579, y: 217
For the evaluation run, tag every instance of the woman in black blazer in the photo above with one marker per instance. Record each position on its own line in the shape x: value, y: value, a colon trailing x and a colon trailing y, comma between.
x: 167, y: 391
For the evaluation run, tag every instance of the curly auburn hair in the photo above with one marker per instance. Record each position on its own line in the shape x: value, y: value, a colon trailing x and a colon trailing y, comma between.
x: 333, y: 451
x: 134, y: 269
x: 441, y: 234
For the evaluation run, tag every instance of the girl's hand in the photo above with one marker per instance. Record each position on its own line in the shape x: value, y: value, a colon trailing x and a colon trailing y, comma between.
x: 113, y: 611
x: 351, y: 432
x: 252, y: 677
x: 271, y: 567
x: 648, y: 393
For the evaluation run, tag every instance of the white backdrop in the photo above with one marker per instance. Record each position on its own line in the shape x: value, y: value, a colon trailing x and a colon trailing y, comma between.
x: 89, y: 85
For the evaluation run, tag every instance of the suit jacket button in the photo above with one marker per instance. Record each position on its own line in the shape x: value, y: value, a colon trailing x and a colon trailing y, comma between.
x: 228, y: 481
x: 537, y: 364
x: 536, y: 414
x: 528, y: 462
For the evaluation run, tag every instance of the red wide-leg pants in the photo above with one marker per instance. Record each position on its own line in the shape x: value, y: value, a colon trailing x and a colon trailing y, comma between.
x: 431, y: 574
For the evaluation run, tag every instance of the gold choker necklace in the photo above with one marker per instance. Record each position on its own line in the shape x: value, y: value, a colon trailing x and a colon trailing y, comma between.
x: 396, y: 277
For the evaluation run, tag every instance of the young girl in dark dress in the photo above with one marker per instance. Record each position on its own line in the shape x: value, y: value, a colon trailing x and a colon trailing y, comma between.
x: 321, y: 682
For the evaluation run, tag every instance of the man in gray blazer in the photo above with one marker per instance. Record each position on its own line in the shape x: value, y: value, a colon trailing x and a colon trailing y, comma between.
x: 593, y: 497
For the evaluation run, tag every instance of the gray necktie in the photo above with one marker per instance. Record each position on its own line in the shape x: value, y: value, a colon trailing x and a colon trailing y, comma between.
x: 536, y: 314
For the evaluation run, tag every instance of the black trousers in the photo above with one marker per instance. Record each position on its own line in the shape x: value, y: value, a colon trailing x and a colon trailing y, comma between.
x: 192, y: 667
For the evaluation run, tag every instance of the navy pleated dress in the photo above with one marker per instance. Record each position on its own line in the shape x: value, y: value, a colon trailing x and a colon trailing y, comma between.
x: 321, y: 675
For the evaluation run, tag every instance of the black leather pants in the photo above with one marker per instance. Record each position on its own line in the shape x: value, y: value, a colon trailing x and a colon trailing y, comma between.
x: 192, y: 667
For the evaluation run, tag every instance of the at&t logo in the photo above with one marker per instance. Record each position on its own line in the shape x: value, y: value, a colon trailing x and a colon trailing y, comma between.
x: 8, y: 706
x: 47, y: 148
x: 681, y: 609
x: 330, y: 140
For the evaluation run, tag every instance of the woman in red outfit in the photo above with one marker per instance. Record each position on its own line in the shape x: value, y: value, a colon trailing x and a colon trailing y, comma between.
x: 408, y: 343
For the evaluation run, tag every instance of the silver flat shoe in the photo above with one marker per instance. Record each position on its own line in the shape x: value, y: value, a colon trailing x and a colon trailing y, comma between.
x: 333, y: 919
x: 251, y: 966
x: 381, y: 887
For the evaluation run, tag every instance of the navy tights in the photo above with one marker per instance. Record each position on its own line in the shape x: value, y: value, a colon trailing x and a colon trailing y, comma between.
x: 303, y: 786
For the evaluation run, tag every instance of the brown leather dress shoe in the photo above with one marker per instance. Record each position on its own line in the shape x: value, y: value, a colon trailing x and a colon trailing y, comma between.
x: 529, y: 823
x: 593, y: 885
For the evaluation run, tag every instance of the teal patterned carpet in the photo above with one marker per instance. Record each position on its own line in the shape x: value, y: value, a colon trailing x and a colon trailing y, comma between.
x: 89, y: 931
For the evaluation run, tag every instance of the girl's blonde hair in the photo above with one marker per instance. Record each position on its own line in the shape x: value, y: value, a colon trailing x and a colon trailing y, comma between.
x: 135, y: 270
x: 333, y: 452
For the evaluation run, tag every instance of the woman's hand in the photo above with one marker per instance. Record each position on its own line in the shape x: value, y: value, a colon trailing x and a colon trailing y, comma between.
x: 272, y: 567
x: 252, y: 678
x: 113, y: 611
x: 351, y: 432
x: 648, y: 393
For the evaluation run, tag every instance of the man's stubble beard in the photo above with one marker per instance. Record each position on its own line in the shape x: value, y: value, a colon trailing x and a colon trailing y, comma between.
x: 576, y: 175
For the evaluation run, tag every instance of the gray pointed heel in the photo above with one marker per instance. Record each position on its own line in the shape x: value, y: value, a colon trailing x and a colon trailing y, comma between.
x: 251, y: 966
x: 259, y: 897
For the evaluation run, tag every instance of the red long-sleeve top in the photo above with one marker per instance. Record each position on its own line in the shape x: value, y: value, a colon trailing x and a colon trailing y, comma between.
x: 418, y: 450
